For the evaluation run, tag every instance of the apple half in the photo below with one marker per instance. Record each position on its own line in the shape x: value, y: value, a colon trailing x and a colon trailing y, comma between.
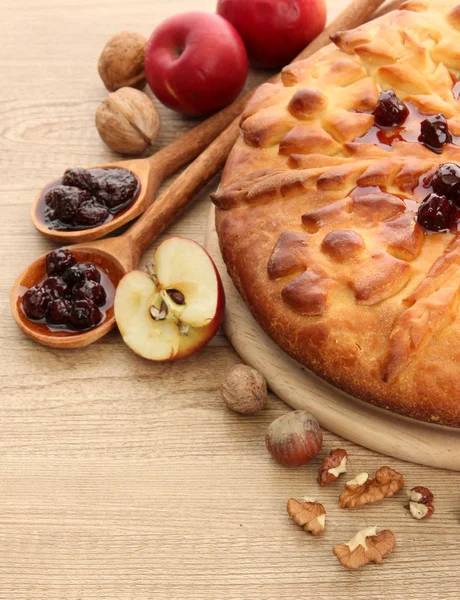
x: 174, y: 309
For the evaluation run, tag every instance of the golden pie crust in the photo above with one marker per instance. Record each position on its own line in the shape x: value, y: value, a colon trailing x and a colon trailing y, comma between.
x: 317, y: 226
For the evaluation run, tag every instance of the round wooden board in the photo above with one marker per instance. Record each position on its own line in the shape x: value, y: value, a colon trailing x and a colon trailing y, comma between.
x: 354, y: 420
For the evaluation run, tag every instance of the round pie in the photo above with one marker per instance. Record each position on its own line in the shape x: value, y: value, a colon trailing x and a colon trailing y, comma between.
x: 338, y: 211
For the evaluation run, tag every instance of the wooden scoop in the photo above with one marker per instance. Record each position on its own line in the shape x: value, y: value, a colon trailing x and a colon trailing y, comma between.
x: 118, y: 255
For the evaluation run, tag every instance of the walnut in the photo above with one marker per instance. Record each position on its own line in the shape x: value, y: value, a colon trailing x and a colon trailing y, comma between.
x: 420, y: 502
x: 333, y: 465
x: 244, y: 390
x: 128, y: 121
x: 367, y: 546
x: 363, y: 490
x: 122, y: 61
x: 310, y: 515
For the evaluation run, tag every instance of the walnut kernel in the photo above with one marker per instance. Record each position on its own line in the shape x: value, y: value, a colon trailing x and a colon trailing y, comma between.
x: 333, y: 465
x: 121, y: 62
x: 420, y: 502
x: 367, y: 546
x: 363, y: 490
x: 127, y: 121
x: 310, y: 515
x: 244, y: 390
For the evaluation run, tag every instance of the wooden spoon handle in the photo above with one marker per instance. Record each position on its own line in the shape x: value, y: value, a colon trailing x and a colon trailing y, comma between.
x: 176, y: 197
x: 387, y: 7
x: 355, y: 14
x: 188, y: 146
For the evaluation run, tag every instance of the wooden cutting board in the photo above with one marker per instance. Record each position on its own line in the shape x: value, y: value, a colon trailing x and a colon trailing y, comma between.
x: 354, y: 420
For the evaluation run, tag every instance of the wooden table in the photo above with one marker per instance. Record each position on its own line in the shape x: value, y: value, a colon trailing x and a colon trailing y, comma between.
x: 122, y: 479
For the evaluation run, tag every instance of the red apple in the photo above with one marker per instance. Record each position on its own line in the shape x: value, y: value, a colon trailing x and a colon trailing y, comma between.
x: 275, y: 31
x: 196, y: 63
x: 176, y: 308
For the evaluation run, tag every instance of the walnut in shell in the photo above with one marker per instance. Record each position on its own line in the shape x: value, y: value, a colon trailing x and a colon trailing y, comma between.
x: 310, y: 515
x: 334, y: 464
x: 128, y: 121
x: 244, y: 390
x: 121, y: 62
x: 363, y: 490
x: 367, y: 546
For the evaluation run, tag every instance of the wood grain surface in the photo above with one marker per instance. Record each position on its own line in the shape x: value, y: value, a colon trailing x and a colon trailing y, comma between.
x: 121, y: 479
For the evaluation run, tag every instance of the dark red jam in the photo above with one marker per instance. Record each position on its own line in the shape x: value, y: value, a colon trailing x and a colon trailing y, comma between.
x: 434, y: 133
x: 71, y: 297
x: 390, y: 110
x: 439, y: 210
x: 86, y: 198
x: 398, y: 120
x: 436, y: 213
x: 446, y: 182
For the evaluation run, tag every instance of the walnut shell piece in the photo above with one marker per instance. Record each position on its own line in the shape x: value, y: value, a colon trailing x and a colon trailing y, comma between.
x: 420, y: 502
x: 309, y: 515
x: 244, y: 390
x: 334, y: 464
x: 121, y: 62
x: 294, y: 438
x: 363, y: 490
x: 367, y: 546
x: 128, y: 121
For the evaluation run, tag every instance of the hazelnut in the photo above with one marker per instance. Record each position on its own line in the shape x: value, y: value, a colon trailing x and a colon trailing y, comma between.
x: 122, y: 61
x: 127, y: 121
x: 244, y: 390
x: 294, y: 439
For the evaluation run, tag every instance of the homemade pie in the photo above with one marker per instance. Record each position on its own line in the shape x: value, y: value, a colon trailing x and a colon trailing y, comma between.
x: 338, y: 211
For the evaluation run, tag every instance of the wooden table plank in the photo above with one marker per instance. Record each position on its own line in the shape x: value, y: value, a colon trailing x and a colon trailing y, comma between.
x: 122, y: 479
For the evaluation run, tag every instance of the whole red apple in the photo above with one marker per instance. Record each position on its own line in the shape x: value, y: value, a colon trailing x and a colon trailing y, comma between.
x: 196, y: 63
x: 275, y: 31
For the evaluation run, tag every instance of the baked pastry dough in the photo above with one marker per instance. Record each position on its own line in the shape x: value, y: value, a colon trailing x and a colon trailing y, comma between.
x: 317, y: 214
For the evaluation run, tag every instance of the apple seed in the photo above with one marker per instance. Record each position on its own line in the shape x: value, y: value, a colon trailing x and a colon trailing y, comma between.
x: 161, y: 313
x: 176, y: 296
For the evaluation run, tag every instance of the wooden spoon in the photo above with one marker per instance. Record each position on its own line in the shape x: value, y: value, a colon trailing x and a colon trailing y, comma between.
x: 155, y: 169
x: 151, y: 172
x: 116, y: 256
